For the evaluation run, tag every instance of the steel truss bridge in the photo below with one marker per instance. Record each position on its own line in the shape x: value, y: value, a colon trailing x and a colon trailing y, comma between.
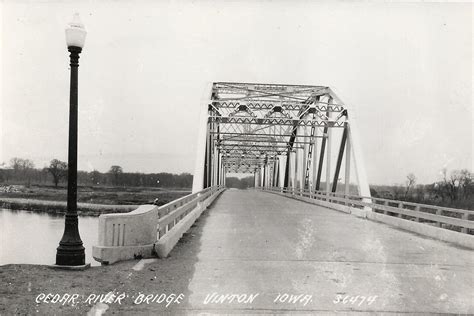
x: 310, y: 229
x: 283, y: 134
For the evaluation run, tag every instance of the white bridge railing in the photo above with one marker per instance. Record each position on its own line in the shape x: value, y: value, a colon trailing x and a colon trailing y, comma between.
x: 149, y: 230
x: 448, y: 224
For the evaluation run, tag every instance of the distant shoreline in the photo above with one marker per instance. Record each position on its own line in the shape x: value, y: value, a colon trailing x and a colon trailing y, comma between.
x: 60, y: 207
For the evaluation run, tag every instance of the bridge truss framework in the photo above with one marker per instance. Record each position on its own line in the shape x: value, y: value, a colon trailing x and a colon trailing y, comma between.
x: 282, y: 134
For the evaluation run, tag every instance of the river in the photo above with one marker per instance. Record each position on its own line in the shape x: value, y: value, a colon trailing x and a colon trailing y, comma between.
x: 29, y: 237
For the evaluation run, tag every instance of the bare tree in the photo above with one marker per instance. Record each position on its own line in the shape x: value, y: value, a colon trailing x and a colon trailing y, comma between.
x: 21, y: 164
x: 466, y: 182
x: 95, y: 177
x: 27, y: 164
x: 16, y: 164
x: 116, y: 171
x: 411, y: 180
x: 459, y: 184
x: 23, y: 167
x: 58, y: 170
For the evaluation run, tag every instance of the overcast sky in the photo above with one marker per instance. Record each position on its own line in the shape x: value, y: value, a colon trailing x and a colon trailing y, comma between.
x: 405, y: 67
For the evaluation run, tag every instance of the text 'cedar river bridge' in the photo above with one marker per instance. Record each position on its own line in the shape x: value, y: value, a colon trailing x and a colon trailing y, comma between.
x: 311, y: 219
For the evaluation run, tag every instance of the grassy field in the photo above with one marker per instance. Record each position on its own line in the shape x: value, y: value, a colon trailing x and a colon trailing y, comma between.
x: 91, y: 200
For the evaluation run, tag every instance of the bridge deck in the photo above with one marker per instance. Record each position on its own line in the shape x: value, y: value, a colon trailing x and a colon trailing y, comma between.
x: 256, y: 242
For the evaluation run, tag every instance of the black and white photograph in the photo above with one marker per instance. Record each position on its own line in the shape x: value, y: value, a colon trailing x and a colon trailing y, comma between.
x: 204, y: 157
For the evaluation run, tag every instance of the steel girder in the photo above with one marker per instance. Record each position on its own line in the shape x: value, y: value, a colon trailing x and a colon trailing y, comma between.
x: 260, y: 118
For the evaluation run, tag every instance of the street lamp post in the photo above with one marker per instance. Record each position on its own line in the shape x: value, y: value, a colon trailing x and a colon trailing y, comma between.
x: 71, y: 251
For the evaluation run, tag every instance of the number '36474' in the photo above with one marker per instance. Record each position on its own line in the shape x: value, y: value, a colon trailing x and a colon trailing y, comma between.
x: 354, y: 300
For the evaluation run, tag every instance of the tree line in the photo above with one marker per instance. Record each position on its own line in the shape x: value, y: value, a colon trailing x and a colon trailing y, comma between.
x: 244, y: 183
x: 454, y: 189
x: 23, y: 171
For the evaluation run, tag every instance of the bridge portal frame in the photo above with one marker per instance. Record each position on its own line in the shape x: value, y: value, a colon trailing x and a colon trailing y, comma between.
x: 273, y: 131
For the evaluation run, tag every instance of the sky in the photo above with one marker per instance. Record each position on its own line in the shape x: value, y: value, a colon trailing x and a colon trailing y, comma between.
x: 405, y: 69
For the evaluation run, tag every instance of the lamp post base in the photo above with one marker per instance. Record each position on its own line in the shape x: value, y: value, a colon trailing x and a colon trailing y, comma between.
x: 70, y: 254
x: 75, y: 268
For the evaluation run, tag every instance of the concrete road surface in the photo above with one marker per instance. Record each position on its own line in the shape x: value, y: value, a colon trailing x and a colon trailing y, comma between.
x: 260, y: 252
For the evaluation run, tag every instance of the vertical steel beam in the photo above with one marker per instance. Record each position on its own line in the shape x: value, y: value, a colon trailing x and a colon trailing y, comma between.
x: 264, y: 175
x: 269, y: 172
x: 276, y: 173
x: 321, y: 160
x: 309, y: 181
x: 347, y: 167
x: 295, y: 173
x: 291, y: 142
x: 216, y: 176
x: 209, y: 158
x: 314, y: 160
x: 281, y: 171
x: 269, y: 179
x: 225, y: 176
x: 329, y: 151
x: 213, y: 164
x: 339, y: 159
x: 221, y: 172
x: 286, y: 178
x: 305, y: 161
x: 206, y: 160
x: 222, y: 175
x: 221, y: 181
x: 295, y: 170
x: 323, y: 149
x: 301, y: 167
x: 218, y: 167
x: 290, y: 170
x: 270, y: 175
x: 310, y: 160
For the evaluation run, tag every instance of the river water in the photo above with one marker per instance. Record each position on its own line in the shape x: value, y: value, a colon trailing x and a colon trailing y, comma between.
x: 28, y: 237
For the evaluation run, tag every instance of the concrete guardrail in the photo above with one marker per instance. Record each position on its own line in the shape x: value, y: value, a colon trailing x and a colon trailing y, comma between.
x: 446, y: 224
x: 150, y: 230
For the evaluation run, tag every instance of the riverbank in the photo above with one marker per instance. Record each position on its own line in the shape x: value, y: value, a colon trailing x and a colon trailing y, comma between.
x: 25, y: 287
x: 92, y: 200
x: 60, y: 207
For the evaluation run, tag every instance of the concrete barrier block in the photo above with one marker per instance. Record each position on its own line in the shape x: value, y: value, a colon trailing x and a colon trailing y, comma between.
x: 109, y: 255
x: 134, y: 228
